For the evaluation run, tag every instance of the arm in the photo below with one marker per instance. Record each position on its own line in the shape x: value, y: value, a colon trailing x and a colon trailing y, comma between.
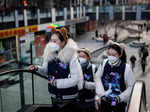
x: 88, y: 84
x: 129, y: 81
x: 98, y: 83
x: 75, y: 76
x: 43, y: 69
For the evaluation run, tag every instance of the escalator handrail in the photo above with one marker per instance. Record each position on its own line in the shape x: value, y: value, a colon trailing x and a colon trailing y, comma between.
x: 22, y: 70
x: 138, y: 94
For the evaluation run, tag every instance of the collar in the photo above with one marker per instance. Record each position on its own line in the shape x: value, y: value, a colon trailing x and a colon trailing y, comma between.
x: 116, y: 64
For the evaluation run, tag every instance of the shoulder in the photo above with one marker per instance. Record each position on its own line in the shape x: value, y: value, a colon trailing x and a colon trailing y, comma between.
x: 72, y: 44
x: 104, y: 62
x: 68, y: 53
x: 94, y: 68
x: 74, y: 59
x: 128, y: 69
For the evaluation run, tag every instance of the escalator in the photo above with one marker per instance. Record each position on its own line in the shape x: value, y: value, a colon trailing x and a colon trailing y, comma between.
x: 138, y: 102
x: 36, y: 99
x: 25, y: 95
x: 37, y: 108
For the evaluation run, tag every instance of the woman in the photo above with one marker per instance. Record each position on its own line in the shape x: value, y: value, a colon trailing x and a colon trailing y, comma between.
x: 88, y: 93
x: 114, y: 81
x: 63, y: 70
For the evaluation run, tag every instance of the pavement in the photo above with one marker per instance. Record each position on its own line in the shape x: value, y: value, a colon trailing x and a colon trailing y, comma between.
x: 86, y: 41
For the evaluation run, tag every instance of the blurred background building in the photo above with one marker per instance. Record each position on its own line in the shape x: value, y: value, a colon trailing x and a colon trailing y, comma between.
x: 11, y: 4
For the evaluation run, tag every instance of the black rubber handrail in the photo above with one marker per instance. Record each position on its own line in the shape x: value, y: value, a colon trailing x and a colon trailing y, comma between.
x: 142, y: 97
x: 22, y: 70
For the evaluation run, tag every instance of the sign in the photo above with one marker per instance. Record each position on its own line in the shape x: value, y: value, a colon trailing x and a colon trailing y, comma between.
x: 18, y: 31
x: 33, y: 28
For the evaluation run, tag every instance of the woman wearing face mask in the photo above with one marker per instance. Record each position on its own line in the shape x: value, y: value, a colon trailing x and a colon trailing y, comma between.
x: 87, y: 94
x: 114, y: 81
x: 63, y: 70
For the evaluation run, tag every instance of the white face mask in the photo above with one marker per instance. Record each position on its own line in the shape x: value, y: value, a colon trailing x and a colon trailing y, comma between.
x: 82, y: 60
x: 112, y: 60
x: 54, y: 47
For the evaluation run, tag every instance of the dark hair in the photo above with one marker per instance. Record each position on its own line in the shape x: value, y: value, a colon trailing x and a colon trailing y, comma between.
x: 120, y: 51
x: 124, y: 56
x: 59, y: 35
x: 62, y: 34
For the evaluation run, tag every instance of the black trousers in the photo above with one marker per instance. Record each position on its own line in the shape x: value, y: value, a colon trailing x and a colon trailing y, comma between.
x: 65, y: 106
x: 106, y: 107
x: 143, y: 67
x: 143, y: 64
x: 86, y: 106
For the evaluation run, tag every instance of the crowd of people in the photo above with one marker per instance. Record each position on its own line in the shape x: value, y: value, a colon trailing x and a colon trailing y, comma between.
x: 75, y: 84
x: 105, y: 37
x: 143, y: 54
x: 144, y: 26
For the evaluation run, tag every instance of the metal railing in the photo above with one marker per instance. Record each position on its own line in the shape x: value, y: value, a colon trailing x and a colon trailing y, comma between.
x: 138, y: 101
x: 14, y: 96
